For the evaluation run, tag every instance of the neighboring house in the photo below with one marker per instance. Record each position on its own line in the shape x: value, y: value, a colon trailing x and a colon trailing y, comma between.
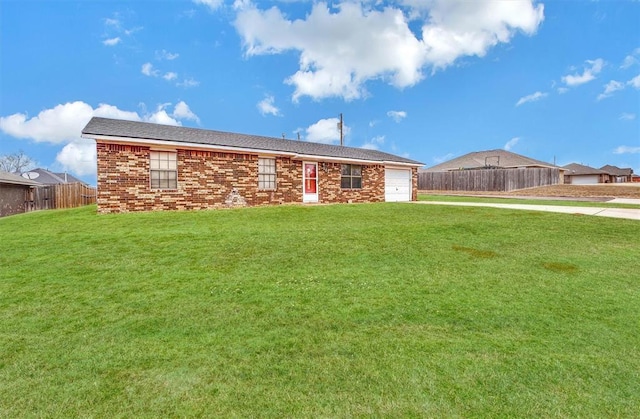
x: 490, y: 170
x: 617, y: 175
x: 16, y: 193
x: 578, y: 174
x: 489, y: 159
x: 50, y: 178
x: 143, y: 166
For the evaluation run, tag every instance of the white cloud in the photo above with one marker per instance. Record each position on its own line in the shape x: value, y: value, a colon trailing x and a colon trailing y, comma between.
x: 623, y: 149
x: 374, y: 143
x: 266, y: 106
x: 110, y: 111
x: 326, y: 131
x: 341, y: 48
x: 79, y: 157
x: 614, y: 86
x: 562, y: 90
x: 114, y: 31
x: 112, y: 22
x: 170, y: 76
x: 531, y: 98
x: 59, y: 124
x: 397, y: 115
x: 190, y: 82
x: 591, y: 70
x: 610, y: 88
x: 112, y: 41
x: 166, y: 55
x: 627, y: 116
x: 211, y: 4
x: 511, y: 143
x: 182, y: 111
x: 131, y: 31
x: 148, y: 70
x: 160, y: 116
x: 631, y: 59
x: 466, y: 28
x: 62, y: 125
x: 628, y: 61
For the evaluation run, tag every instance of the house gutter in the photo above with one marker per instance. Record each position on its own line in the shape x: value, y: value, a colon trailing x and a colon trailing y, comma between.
x: 179, y: 144
x: 295, y: 156
x: 352, y: 160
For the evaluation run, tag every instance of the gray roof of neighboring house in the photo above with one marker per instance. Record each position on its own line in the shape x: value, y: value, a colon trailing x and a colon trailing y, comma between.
x: 6, y: 177
x: 50, y: 178
x: 488, y: 158
x: 142, y: 130
x: 575, y: 169
x: 617, y: 171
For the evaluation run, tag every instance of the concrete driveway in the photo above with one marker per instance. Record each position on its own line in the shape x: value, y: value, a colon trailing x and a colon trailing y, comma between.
x: 632, y: 214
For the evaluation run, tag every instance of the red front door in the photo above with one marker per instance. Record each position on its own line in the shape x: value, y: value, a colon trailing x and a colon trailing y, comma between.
x: 310, y: 182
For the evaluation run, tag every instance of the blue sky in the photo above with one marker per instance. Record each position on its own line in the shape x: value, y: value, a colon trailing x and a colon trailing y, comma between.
x: 429, y: 80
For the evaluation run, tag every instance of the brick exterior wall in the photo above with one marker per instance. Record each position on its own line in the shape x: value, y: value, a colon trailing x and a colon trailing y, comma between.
x: 209, y: 179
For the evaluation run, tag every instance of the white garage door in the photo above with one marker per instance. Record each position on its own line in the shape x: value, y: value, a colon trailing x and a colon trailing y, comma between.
x: 397, y: 185
x: 584, y: 180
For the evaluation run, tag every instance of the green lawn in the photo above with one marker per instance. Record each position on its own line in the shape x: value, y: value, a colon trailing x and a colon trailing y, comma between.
x: 383, y: 310
x: 507, y: 200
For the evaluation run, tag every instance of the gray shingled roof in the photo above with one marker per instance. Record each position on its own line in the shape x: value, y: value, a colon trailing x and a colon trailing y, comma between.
x: 617, y: 171
x: 492, y: 158
x: 580, y: 169
x: 142, y: 130
x: 51, y: 178
x: 6, y: 177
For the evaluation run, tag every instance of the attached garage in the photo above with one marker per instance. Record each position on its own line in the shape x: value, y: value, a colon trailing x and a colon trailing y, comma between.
x: 585, y: 180
x: 579, y: 174
x: 397, y: 185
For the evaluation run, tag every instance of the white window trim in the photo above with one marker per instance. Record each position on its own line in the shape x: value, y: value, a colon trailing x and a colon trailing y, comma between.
x: 270, y: 174
x: 170, y: 169
x: 351, y: 176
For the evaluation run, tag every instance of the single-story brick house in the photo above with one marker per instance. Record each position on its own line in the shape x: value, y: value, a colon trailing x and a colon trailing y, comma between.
x: 579, y: 174
x: 145, y: 167
x: 617, y: 174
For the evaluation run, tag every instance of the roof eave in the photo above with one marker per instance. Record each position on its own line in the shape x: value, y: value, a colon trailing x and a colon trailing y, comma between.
x: 181, y: 144
x: 296, y: 156
x: 10, y: 182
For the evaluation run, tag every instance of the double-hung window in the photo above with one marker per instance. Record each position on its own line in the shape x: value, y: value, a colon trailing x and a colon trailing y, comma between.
x: 266, y: 173
x: 351, y: 176
x: 164, y: 170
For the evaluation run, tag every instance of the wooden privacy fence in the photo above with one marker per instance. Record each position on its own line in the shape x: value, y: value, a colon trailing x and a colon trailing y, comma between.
x: 67, y: 195
x: 488, y: 179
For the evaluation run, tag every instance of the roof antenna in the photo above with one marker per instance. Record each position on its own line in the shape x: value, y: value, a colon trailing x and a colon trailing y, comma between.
x: 298, y: 135
x: 283, y: 136
x: 340, y: 124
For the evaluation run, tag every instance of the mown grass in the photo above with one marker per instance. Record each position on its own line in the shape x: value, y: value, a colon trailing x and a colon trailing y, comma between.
x: 495, y: 200
x: 384, y: 310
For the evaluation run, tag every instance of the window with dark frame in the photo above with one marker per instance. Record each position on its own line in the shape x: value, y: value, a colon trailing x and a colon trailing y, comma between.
x: 266, y: 173
x: 351, y: 176
x: 164, y: 170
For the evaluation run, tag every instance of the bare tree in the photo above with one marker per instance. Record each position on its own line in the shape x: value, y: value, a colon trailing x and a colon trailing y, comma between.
x: 16, y: 163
